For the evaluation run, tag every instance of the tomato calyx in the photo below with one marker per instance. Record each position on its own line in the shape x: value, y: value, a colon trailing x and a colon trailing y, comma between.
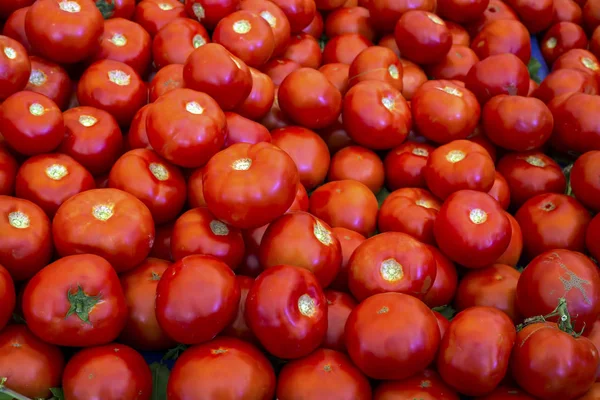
x: 10, y: 393
x: 81, y: 304
x: 447, y: 311
x: 564, y: 319
x: 106, y: 8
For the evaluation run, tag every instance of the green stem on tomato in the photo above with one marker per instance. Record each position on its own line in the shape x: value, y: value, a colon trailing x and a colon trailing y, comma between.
x: 564, y: 319
x: 9, y: 392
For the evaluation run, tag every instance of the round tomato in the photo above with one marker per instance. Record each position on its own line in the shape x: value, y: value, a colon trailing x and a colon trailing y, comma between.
x: 153, y: 15
x: 275, y: 17
x: 500, y: 191
x: 243, y: 130
x: 567, y: 80
x: 376, y: 63
x: 560, y: 38
x: 349, y: 241
x: 210, y: 12
x: 51, y: 80
x: 426, y: 385
x: 15, y: 66
x: 300, y: 13
x: 303, y: 50
x: 422, y: 37
x: 239, y: 328
x: 166, y: 79
x: 496, y: 10
x: 8, y: 296
x: 455, y: 65
x: 344, y: 48
x: 339, y: 306
x: 444, y: 286
x: 8, y: 170
x: 177, y: 40
x: 592, y: 394
x: 162, y: 242
x: 337, y: 74
x: 412, y: 79
x: 503, y: 36
x: 583, y: 181
x: 512, y: 255
x: 385, y: 13
x: 359, y: 164
x: 260, y: 100
x: 14, y: 26
x: 350, y: 20
x: 404, y: 165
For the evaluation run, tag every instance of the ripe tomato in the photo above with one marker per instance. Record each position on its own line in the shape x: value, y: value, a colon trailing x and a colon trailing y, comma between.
x: 302, y: 49
x: 210, y: 12
x: 31, y: 365
x: 461, y: 11
x: 459, y: 165
x: 376, y: 116
x: 121, y: 8
x: 161, y: 248
x: 249, y: 185
x: 7, y: 296
x: 278, y: 69
x: 323, y: 374
x: 404, y: 165
x: 276, y: 19
x: 25, y: 241
x: 8, y: 170
x: 239, y: 328
x: 139, y: 287
x: 541, y: 345
x: 376, y: 63
x: 339, y: 306
x: 92, y: 313
x: 9, y: 7
x: 444, y: 286
x: 593, y: 245
x: 349, y: 241
x: 592, y: 394
x: 350, y: 20
x: 243, y: 130
x: 344, y: 48
x: 496, y: 10
x: 564, y: 81
x: 64, y: 32
x: 359, y: 164
x: 336, y: 137
x: 500, y: 191
x: 426, y: 385
x: 504, y: 36
x: 250, y: 265
x: 560, y: 38
x: 31, y: 123
x: 498, y: 74
x: 456, y: 65
x: 560, y: 274
x: 579, y: 59
x: 570, y: 111
x: 537, y: 15
x: 15, y: 66
x: 512, y: 255
x: 422, y: 37
x: 113, y: 371
x: 222, y: 368
x: 287, y: 311
x: 583, y: 182
x: 49, y: 180
x: 166, y: 79
x: 261, y: 97
x: 382, y: 345
x: 474, y: 353
x: 107, y: 222
x: 412, y: 78
x: 539, y: 217
x: 50, y: 80
x: 196, y: 298
x: 177, y: 40
x: 346, y: 204
x: 92, y: 137
x: 153, y: 15
x: 300, y: 13
x: 14, y: 27
x: 337, y: 74
x: 316, y: 26
x: 385, y: 13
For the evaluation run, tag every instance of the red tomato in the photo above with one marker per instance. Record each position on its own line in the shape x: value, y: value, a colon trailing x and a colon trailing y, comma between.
x: 540, y: 216
x: 10, y: 6
x: 325, y: 374
x: 594, y: 41
x: 504, y: 36
x: 301, y: 240
x: 564, y: 81
x: 570, y: 114
x: 512, y: 255
x: 50, y: 80
x: 261, y: 97
x: 139, y: 287
x: 376, y: 115
x: 461, y: 11
x: 287, y: 311
x: 422, y: 37
x: 196, y: 298
x: 8, y: 170
x: 350, y: 20
x: 382, y: 345
x: 500, y: 191
x: 14, y: 27
x: 560, y: 274
x: 426, y: 385
x: 248, y: 186
x: 412, y: 78
x: 25, y: 241
x: 344, y: 48
x: 404, y: 165
x: 592, y: 244
x: 316, y: 26
x: 107, y: 222
x: 15, y: 67
x: 177, y: 40
x: 153, y: 15
x: 472, y: 229
x: 301, y: 202
x: 197, y: 231
x: 339, y: 306
x: 593, y: 334
x: 110, y: 372
x: 346, y: 204
x: 8, y: 297
x: 304, y: 50
x: 239, y: 328
x: 244, y: 130
x: 583, y: 181
x: 391, y: 262
x: 542, y: 345
x: 592, y: 394
x: 276, y: 19
x: 278, y: 69
x: 300, y: 13
x: 567, y: 11
x: 93, y: 138
x: 161, y: 248
x: 166, y: 79
x: 580, y: 59
x: 210, y: 12
x: 64, y: 31
x: 337, y: 74
x: 474, y: 353
x: 385, y: 13
x: 31, y: 123
x: 49, y: 180
x: 250, y: 265
x: 195, y: 192
x: 336, y: 137
x: 120, y: 8
x: 455, y: 65
x: 460, y: 36
x: 444, y: 286
x: 349, y: 241
x: 223, y: 368
x: 496, y: 10
x: 92, y: 313
x: 560, y: 38
x: 31, y: 365
x: 359, y: 164
x: 459, y: 165
x: 376, y: 63
x: 536, y: 15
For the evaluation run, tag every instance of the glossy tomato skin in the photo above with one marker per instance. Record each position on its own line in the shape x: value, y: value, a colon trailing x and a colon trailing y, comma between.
x: 166, y: 79
x: 7, y: 296
x: 162, y: 242
x: 250, y: 265
x: 378, y: 322
x: 287, y: 311
x: 376, y: 63
x: 8, y: 170
x: 275, y: 17
x: 14, y: 27
x: 31, y: 365
x: 339, y: 306
x: 323, y: 374
x: 582, y: 181
x: 404, y: 165
x: 426, y: 385
x: 185, y: 309
x: 81, y: 318
x: 304, y: 50
x: 142, y: 330
x: 49, y: 180
x: 177, y: 40
x: 344, y: 48
x: 25, y: 237
x: 359, y: 164
x: 561, y: 38
x: 153, y: 180
x: 248, y: 186
x: 385, y: 13
x: 31, y: 123
x: 592, y: 245
x: 412, y: 79
x: 570, y: 110
x: 153, y: 15
x: 337, y: 74
x: 422, y: 37
x: 239, y: 328
x: 65, y: 32
x: 539, y: 216
x: 260, y: 100
x: 349, y: 241
x: 560, y: 274
x: 461, y: 11
x: 496, y: 10
x: 567, y: 11
x: 512, y: 255
x: 567, y: 80
x: 51, y: 80
x: 473, y: 332
x: 444, y: 286
x: 300, y: 13
x: 455, y: 65
x: 500, y: 191
x: 15, y: 67
x: 222, y: 368
x: 530, y: 361
x: 243, y: 130
x: 591, y: 394
x: 210, y: 12
x: 350, y: 20
x: 113, y: 371
x: 503, y: 36
x: 537, y: 16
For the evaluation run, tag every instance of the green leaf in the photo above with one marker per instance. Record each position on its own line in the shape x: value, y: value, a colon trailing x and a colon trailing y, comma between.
x: 175, y: 352
x: 382, y: 195
x: 567, y: 172
x: 18, y: 319
x: 160, y: 378
x: 447, y: 311
x: 323, y: 41
x: 57, y: 394
x: 534, y: 67
x: 106, y: 8
x: 4, y: 396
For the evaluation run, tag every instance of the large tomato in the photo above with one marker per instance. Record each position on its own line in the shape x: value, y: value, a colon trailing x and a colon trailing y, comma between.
x: 446, y: 280
x: 359, y: 164
x: 585, y: 187
x: 564, y: 81
x: 51, y: 80
x: 177, y: 40
x: 276, y: 18
x: 8, y: 296
x: 15, y: 67
x: 239, y: 328
x: 376, y: 63
x: 243, y: 130
x: 349, y: 241
x: 456, y: 65
x: 426, y: 385
x: 383, y: 345
x: 422, y: 37
x: 75, y: 301
x: 404, y: 165
x: 504, y: 36
x: 210, y: 12
x: 339, y: 307
x: 153, y: 15
x: 166, y: 79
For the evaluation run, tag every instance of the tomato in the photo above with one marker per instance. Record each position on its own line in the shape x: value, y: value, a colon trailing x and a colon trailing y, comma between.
x: 560, y: 274
x: 31, y: 365
x: 15, y: 67
x: 107, y: 222
x: 376, y: 116
x: 382, y: 345
x: 560, y: 38
x: 459, y: 165
x: 120, y: 8
x: 275, y: 17
x: 31, y: 123
x: 592, y: 394
x: 244, y: 130
x: 506, y: 393
x: 92, y: 313
x: 505, y: 36
x: 139, y: 287
x: 7, y: 296
x: 260, y: 100
x: 8, y: 170
x: 344, y: 48
x: 591, y: 15
x: 339, y: 306
x: 301, y: 201
x: 349, y: 241
x: 593, y: 334
x: 541, y: 215
x: 536, y: 15
x: 426, y: 385
x: 346, y: 204
x: 300, y: 13
x: 444, y: 285
x: 250, y: 265
x: 567, y: 11
x: 303, y: 49
x: 185, y: 309
x: 197, y: 231
x: 278, y: 69
x: 49, y: 180
x: 404, y: 165
x: 385, y: 13
x: 223, y: 368
x: 543, y: 344
x: 412, y: 79
x: 161, y: 248
x: 50, y: 80
x: 359, y: 164
x: 376, y: 63
x: 263, y: 175
x: 500, y: 191
x: 422, y: 37
x: 337, y: 74
x: 496, y: 10
x: 316, y: 26
x: 9, y: 7
x: 239, y: 328
x: 455, y: 65
x: 594, y: 43
x: 66, y: 31
x: 195, y: 192
x: 210, y: 12
x: 14, y: 27
x: 167, y: 79
x: 287, y: 311
x: 564, y: 81
x: 113, y: 371
x: 153, y: 15
x: 26, y: 244
x: 582, y: 179
x: 592, y: 244
x: 177, y: 40
x: 512, y: 255
x: 323, y: 374
x: 336, y: 137
x: 92, y: 137
x: 580, y: 59
x: 350, y: 20
x: 570, y: 115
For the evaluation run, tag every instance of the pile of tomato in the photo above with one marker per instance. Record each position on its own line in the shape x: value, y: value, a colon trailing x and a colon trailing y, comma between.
x: 299, y: 200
